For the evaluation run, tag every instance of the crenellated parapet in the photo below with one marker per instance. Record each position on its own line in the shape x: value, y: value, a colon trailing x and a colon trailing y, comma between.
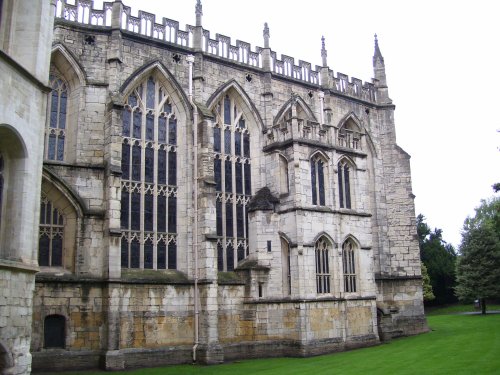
x: 145, y: 24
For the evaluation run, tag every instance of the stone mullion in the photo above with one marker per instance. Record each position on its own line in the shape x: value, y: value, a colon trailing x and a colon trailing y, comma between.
x: 143, y: 175
x: 155, y: 177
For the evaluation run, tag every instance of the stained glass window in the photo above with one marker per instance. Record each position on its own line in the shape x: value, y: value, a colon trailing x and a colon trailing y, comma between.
x: 50, y: 240
x: 349, y: 266
x: 322, y: 267
x: 149, y: 179
x: 55, y: 133
x: 318, y: 181
x: 343, y: 172
x: 233, y: 183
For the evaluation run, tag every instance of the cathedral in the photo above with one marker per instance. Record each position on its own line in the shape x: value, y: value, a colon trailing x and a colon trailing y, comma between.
x: 169, y: 195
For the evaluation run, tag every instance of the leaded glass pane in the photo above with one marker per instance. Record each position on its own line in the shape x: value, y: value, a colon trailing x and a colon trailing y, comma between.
x: 162, y: 167
x: 60, y: 147
x: 150, y: 130
x: 347, y: 187
x: 43, y: 250
x: 217, y: 140
x: 150, y: 97
x: 149, y: 164
x: 62, y: 111
x: 161, y: 256
x: 148, y: 212
x: 135, y: 254
x: 229, y: 219
x: 161, y: 217
x: 341, y: 186
x: 172, y: 215
x: 220, y: 257
x: 241, y: 252
x: 52, y: 147
x: 162, y: 129
x: 227, y: 141
x: 248, y: 180
x: 246, y: 145
x: 125, y: 161
x: 126, y: 123
x: 172, y: 131
x: 240, y: 221
x: 172, y: 168
x: 313, y: 182
x: 228, y: 177
x: 227, y: 111
x: 124, y: 210
x: 148, y: 254
x: 218, y: 214
x: 57, y: 251
x: 239, y: 178
x: 136, y: 162
x: 172, y: 256
x: 54, y: 109
x: 218, y: 173
x: 135, y: 214
x: 137, y: 124
x: 124, y: 253
x: 237, y: 144
x: 230, y: 257
x: 321, y: 183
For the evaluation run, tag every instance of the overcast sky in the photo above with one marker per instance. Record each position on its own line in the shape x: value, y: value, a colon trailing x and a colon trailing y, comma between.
x: 443, y: 70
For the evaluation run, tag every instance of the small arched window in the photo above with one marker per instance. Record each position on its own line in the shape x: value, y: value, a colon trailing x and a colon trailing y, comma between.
x: 54, y: 332
x: 285, y: 267
x: 322, y: 266
x: 232, y: 174
x: 318, y: 180
x: 50, y: 243
x: 55, y: 132
x: 344, y: 177
x: 284, y: 180
x: 349, y: 266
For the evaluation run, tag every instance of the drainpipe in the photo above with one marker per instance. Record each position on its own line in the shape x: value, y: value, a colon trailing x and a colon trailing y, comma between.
x: 190, y: 61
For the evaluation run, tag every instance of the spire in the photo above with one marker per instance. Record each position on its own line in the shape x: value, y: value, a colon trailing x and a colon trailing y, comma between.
x: 377, y: 56
x: 199, y: 12
x: 323, y: 52
x: 266, y: 35
x: 379, y: 73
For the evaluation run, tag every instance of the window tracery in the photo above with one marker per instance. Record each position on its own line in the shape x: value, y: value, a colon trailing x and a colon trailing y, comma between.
x: 149, y: 179
x: 349, y: 266
x: 55, y: 132
x: 233, y: 183
x: 51, y: 235
x: 322, y: 266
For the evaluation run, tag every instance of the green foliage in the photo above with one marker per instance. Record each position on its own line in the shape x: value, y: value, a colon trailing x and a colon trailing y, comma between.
x: 457, y: 344
x: 478, y: 266
x: 439, y: 257
x: 427, y: 287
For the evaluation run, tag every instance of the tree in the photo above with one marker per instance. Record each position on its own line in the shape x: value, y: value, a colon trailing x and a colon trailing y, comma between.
x: 478, y: 266
x: 426, y: 283
x: 439, y: 258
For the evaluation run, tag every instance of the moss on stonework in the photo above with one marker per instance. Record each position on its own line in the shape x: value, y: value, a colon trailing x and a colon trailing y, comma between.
x: 228, y: 278
x: 163, y: 276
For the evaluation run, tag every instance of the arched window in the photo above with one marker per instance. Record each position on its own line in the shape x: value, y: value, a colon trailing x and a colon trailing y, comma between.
x: 54, y: 332
x: 349, y: 135
x: 51, y: 237
x: 322, y: 266
x: 149, y: 179
x: 233, y: 183
x: 1, y: 186
x: 344, y: 178
x: 318, y: 180
x: 284, y: 180
x: 349, y: 266
x: 285, y: 267
x: 55, y: 133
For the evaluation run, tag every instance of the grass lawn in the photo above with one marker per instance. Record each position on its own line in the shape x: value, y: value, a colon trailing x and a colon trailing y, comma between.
x: 457, y: 344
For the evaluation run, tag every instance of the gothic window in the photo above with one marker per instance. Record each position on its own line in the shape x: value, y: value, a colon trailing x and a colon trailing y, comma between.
x: 285, y: 264
x: 284, y: 181
x: 349, y: 266
x: 322, y: 267
x: 318, y: 180
x: 349, y: 135
x: 149, y: 179
x: 50, y: 242
x: 1, y: 186
x: 343, y: 172
x: 233, y: 183
x: 54, y: 332
x: 55, y: 132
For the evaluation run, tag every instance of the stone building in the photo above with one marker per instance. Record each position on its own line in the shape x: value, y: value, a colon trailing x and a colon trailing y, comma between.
x: 203, y: 200
x: 25, y: 40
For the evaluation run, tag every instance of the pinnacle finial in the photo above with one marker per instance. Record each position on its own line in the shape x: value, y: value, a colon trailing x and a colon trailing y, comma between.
x: 199, y: 12
x: 323, y: 51
x: 377, y: 55
x: 266, y: 35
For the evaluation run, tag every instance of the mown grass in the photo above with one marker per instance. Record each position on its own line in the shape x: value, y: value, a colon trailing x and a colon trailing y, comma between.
x: 458, y: 308
x: 456, y: 344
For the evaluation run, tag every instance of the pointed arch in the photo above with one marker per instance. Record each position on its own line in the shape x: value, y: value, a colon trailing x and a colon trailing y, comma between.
x: 68, y: 66
x: 167, y: 79
x: 53, y: 183
x: 351, y: 237
x: 294, y: 100
x: 326, y: 236
x: 346, y: 159
x: 319, y: 153
x: 349, y: 119
x: 247, y: 105
x: 322, y: 252
x: 350, y: 247
x: 319, y: 176
x: 12, y: 142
